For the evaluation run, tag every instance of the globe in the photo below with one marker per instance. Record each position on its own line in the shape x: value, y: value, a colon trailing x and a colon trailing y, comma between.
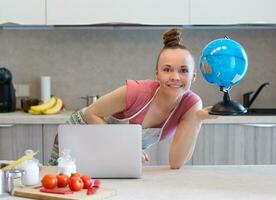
x: 223, y: 62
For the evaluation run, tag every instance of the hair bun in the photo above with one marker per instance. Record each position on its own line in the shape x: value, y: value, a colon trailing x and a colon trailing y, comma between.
x: 172, y: 38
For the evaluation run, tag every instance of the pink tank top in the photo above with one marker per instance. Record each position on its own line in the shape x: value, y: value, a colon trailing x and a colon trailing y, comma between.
x: 140, y: 93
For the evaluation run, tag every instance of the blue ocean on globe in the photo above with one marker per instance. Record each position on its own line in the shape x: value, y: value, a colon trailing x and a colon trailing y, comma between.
x: 223, y: 62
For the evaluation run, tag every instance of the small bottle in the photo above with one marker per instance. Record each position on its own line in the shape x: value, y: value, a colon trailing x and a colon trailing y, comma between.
x: 31, y: 170
x: 66, y: 164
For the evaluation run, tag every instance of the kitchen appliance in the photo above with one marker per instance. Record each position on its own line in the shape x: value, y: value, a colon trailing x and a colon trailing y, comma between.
x: 7, y: 179
x: 90, y: 99
x: 7, y: 91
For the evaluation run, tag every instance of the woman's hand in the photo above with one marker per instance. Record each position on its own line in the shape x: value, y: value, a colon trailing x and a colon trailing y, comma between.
x: 145, y: 157
x: 203, y: 113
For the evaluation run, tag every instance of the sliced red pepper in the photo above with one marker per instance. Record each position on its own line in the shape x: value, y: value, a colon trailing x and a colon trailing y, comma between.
x: 54, y: 191
x: 97, y: 183
x: 92, y: 190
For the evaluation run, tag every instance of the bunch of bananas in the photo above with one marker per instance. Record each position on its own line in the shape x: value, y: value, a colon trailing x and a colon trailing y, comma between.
x: 53, y: 106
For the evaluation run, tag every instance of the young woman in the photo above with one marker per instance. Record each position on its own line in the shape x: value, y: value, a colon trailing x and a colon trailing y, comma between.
x: 166, y: 103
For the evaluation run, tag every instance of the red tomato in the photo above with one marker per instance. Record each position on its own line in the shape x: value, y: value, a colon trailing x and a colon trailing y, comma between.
x: 63, y: 180
x: 49, y: 181
x: 77, y: 174
x: 87, y: 182
x: 75, y: 184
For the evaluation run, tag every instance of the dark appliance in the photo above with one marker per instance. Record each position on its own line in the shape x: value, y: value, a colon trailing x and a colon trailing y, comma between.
x: 7, y: 91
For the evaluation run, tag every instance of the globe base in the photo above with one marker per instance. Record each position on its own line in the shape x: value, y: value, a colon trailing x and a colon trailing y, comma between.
x: 227, y: 107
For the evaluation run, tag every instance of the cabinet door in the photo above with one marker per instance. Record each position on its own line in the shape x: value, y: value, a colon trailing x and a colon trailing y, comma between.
x: 121, y: 11
x: 163, y: 149
x: 232, y: 12
x: 31, y: 12
x: 49, y: 133
x: 15, y: 139
x: 159, y: 153
x: 223, y: 144
x: 235, y: 144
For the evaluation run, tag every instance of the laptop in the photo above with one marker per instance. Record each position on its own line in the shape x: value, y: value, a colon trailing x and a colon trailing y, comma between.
x: 104, y: 151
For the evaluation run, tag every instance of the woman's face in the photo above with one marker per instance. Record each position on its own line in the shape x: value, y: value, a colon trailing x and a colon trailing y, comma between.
x: 175, y: 71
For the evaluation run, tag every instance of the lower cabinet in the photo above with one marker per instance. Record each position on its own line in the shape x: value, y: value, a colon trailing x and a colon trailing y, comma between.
x: 235, y: 144
x: 217, y: 144
x: 49, y: 133
x: 223, y: 144
x: 15, y: 139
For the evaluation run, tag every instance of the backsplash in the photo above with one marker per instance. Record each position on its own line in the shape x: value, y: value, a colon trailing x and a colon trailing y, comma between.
x: 85, y: 62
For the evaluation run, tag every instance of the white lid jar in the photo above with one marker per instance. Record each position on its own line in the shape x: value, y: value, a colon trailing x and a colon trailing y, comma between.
x: 66, y: 164
x: 31, y: 170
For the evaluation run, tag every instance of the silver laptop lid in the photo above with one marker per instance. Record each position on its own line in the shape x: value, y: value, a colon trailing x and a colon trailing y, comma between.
x: 104, y: 151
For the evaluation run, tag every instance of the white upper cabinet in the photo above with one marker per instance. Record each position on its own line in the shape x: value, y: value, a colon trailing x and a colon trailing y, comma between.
x: 219, y: 12
x: 83, y: 12
x: 30, y: 12
x: 148, y: 12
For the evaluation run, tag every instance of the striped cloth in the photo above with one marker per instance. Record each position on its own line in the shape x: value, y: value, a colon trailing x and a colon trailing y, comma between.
x: 76, y: 118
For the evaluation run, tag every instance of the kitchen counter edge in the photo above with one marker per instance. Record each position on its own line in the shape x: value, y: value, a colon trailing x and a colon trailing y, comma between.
x: 25, y: 118
x: 62, y: 117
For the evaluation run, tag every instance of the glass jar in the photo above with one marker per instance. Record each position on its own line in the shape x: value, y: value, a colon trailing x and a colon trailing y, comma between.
x: 66, y: 164
x: 31, y: 170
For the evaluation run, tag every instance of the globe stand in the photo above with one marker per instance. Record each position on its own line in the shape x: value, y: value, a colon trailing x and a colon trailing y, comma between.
x: 227, y: 106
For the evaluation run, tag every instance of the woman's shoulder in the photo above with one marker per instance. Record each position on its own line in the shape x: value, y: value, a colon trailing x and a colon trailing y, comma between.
x: 188, y: 100
x: 191, y: 96
x: 142, y: 85
x: 140, y: 91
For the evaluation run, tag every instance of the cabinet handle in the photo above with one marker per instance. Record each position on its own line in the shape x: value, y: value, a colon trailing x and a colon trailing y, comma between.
x: 261, y: 125
x: 6, y: 125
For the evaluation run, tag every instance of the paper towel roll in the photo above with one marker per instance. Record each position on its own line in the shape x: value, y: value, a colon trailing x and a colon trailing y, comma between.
x: 45, y: 83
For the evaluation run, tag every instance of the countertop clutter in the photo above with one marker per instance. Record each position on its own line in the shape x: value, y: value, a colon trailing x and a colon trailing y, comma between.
x: 61, y: 117
x: 255, y: 182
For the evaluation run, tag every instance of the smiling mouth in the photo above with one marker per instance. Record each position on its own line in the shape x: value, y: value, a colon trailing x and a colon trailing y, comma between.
x: 174, y: 85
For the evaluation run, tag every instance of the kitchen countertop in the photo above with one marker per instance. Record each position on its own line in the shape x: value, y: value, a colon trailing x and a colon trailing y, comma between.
x: 25, y: 118
x: 60, y: 118
x: 255, y: 182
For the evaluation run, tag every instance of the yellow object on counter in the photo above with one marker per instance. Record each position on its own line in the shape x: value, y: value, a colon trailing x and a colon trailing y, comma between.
x: 53, y: 106
x: 19, y: 161
x: 34, y: 112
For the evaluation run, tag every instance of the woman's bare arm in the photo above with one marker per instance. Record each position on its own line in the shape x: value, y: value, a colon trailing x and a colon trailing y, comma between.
x: 107, y: 105
x: 184, y: 141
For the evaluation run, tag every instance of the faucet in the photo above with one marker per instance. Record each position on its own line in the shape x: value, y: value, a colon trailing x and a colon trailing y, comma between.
x: 247, y: 101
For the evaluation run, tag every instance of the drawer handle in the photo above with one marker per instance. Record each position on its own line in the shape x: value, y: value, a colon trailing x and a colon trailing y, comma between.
x: 261, y: 125
x: 6, y: 125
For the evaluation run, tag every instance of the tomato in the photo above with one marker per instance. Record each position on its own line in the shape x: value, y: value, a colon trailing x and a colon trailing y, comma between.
x: 49, y: 181
x: 63, y: 180
x: 87, y: 182
x: 75, y: 183
x: 77, y: 174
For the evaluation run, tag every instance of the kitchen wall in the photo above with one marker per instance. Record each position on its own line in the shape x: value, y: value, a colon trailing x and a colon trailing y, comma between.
x: 87, y: 61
